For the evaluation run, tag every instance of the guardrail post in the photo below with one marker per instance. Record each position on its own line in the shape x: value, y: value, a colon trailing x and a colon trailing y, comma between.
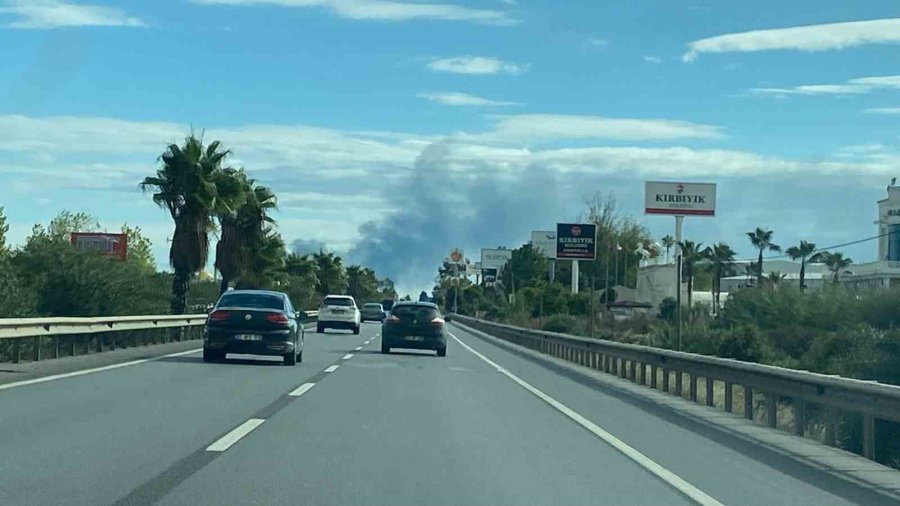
x: 36, y: 352
x: 868, y: 437
x: 679, y: 390
x: 748, y: 402
x: 666, y: 374
x: 16, y: 350
x: 799, y: 417
x: 772, y: 409
x: 112, y: 341
x: 710, y: 398
x: 633, y: 371
x: 643, y: 372
x: 623, y: 368
x: 653, y: 372
x: 729, y: 396
x: 99, y: 343
x: 55, y: 346
x: 72, y: 343
x: 693, y: 387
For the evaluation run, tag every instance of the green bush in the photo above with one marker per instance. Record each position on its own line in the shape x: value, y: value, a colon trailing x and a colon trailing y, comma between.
x: 667, y: 309
x: 561, y: 323
x: 744, y: 343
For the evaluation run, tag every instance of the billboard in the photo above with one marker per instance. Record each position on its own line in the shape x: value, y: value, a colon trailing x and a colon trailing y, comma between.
x: 680, y: 199
x: 545, y: 242
x: 576, y: 241
x: 495, y: 258
x: 489, y: 275
x: 109, y: 245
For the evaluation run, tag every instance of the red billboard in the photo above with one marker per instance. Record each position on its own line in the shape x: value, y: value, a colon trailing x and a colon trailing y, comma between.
x: 109, y: 245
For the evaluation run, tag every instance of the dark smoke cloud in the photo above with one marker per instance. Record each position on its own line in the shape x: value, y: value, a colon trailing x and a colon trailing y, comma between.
x: 307, y: 246
x: 442, y: 209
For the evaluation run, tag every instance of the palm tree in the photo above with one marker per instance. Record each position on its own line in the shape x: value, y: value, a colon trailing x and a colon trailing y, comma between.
x: 332, y: 278
x: 668, y: 241
x: 774, y: 278
x: 265, y: 268
x: 246, y: 232
x: 690, y: 255
x: 801, y: 252
x: 186, y: 186
x: 721, y: 259
x: 836, y: 262
x: 762, y: 240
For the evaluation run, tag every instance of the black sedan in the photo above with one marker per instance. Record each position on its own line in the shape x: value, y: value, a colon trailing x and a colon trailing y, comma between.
x: 414, y: 325
x: 253, y: 322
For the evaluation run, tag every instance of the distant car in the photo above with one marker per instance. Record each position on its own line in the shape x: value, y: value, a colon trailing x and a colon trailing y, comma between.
x: 415, y: 325
x: 339, y: 312
x: 373, y: 311
x: 253, y: 322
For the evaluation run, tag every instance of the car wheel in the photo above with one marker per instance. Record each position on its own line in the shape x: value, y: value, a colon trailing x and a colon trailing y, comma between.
x: 320, y: 329
x: 356, y: 329
x: 209, y: 355
x: 300, y: 357
x: 442, y: 352
x: 385, y: 349
x: 290, y: 359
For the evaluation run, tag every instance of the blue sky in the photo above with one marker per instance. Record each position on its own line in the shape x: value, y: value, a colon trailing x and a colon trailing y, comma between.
x: 395, y: 131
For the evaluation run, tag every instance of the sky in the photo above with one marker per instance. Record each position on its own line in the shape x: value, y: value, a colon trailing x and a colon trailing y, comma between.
x: 395, y: 131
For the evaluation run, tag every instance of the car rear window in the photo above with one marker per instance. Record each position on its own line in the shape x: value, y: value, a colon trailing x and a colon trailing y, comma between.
x: 338, y: 301
x: 372, y: 306
x: 417, y: 312
x: 254, y: 300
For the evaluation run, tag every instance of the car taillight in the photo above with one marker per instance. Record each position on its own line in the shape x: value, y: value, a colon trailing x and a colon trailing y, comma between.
x: 393, y: 320
x: 437, y: 322
x: 219, y: 316
x: 277, y: 318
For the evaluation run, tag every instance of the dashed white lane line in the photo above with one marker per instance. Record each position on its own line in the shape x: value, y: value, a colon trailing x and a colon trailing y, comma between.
x: 332, y: 368
x: 642, y: 460
x: 358, y: 348
x: 89, y: 371
x: 302, y: 389
x: 226, y: 441
x: 348, y: 356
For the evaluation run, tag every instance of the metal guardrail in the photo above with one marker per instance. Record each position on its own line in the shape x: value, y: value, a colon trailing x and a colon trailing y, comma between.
x: 43, y: 338
x: 643, y: 365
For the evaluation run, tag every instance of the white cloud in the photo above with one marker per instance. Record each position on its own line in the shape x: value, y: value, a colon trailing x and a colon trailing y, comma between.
x: 384, y: 10
x: 46, y: 14
x: 803, y: 38
x: 598, y: 43
x: 477, y: 65
x: 528, y: 128
x: 462, y: 99
x: 652, y: 59
x: 856, y: 86
x: 883, y: 110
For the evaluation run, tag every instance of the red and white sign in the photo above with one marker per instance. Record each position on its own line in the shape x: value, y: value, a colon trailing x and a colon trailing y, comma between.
x: 109, y: 245
x: 680, y: 199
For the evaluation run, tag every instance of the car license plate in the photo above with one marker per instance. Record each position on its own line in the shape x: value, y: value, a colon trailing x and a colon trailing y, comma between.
x: 414, y: 338
x: 248, y: 337
x: 337, y: 311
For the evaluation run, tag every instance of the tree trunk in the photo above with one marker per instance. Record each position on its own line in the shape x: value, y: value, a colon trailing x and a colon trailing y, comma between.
x: 802, y: 274
x: 759, y: 269
x: 223, y: 287
x: 690, y: 289
x: 180, y: 286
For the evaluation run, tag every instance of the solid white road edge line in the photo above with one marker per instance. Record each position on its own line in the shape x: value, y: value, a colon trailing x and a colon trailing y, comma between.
x: 642, y: 460
x: 348, y: 356
x: 302, y: 389
x: 225, y: 442
x: 332, y: 368
x: 90, y: 371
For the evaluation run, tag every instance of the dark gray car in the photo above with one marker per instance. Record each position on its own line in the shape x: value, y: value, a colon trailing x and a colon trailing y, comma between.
x: 415, y: 325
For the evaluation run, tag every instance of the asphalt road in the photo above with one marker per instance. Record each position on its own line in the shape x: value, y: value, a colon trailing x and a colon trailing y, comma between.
x: 481, y: 426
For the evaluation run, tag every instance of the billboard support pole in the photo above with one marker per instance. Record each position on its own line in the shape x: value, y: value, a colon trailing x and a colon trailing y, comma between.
x: 679, y: 222
x: 456, y: 289
x: 574, y: 277
x: 552, y: 270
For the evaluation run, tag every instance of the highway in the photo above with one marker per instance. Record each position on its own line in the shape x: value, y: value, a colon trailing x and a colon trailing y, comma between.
x: 352, y: 426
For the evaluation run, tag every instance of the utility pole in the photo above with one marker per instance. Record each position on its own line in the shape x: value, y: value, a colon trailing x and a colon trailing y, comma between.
x: 679, y: 222
x: 456, y: 288
x: 606, y: 292
x: 593, y: 311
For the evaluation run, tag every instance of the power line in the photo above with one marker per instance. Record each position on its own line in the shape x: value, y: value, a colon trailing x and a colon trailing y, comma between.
x: 826, y: 248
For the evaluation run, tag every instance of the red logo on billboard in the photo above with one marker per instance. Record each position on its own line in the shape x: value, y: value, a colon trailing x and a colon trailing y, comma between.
x: 109, y: 245
x: 456, y: 256
x: 680, y: 189
x: 576, y: 231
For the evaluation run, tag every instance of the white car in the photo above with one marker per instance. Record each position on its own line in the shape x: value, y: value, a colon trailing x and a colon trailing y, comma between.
x: 338, y: 312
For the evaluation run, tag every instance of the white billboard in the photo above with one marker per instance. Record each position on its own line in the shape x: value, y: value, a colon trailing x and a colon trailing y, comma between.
x: 545, y: 242
x: 495, y: 258
x: 680, y: 199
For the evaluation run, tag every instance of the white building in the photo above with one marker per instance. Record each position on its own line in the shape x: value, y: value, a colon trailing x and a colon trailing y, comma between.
x: 884, y: 272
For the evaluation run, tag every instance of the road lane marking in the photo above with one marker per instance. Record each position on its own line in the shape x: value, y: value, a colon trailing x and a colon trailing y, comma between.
x: 225, y: 442
x: 302, y: 389
x: 332, y: 368
x: 348, y: 356
x: 642, y: 460
x: 90, y: 371
x: 358, y: 348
